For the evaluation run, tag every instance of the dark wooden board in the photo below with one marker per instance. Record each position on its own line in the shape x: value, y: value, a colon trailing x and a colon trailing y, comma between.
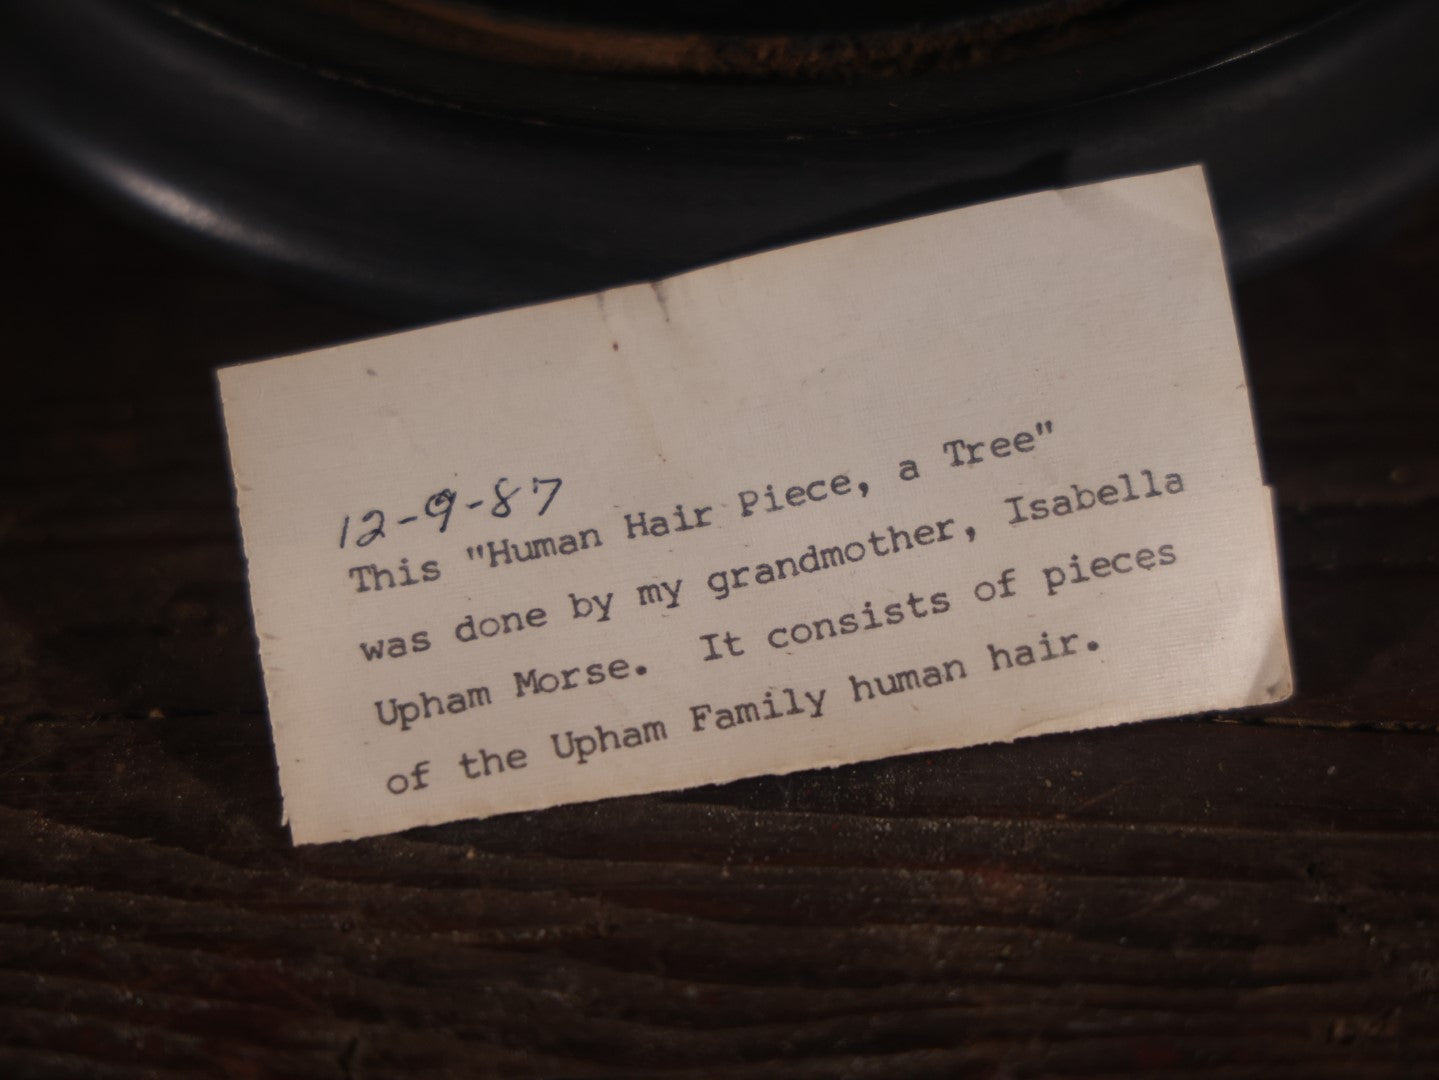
x: 1217, y: 896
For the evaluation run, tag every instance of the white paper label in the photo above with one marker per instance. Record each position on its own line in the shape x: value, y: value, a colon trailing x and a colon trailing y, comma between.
x: 958, y: 479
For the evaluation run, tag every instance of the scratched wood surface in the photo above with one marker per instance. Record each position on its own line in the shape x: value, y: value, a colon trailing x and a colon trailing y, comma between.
x: 1250, y: 897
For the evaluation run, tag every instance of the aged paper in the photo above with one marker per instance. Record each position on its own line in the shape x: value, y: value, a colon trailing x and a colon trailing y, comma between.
x: 963, y: 478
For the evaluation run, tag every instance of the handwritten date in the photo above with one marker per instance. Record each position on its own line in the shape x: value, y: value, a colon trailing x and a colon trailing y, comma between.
x: 364, y: 529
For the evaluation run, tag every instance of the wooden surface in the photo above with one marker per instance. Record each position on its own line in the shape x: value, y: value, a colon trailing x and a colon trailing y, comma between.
x: 1229, y: 897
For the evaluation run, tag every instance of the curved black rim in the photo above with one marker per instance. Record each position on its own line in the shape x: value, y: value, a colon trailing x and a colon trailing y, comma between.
x: 431, y: 208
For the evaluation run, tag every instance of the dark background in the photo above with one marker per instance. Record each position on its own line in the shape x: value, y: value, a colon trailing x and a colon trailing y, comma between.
x: 1215, y: 896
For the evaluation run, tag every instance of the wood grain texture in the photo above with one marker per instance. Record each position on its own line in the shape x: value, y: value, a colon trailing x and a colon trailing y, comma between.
x: 1224, y: 896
